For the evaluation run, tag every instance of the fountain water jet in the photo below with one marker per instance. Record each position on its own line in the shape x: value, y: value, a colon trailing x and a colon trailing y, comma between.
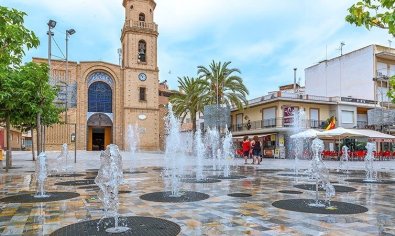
x: 41, y: 175
x: 212, y: 139
x: 344, y: 160
x: 173, y: 154
x: 298, y: 124
x: 62, y: 159
x: 371, y: 175
x: 227, y: 153
x: 320, y: 174
x: 109, y: 177
x: 133, y: 140
x: 199, y: 150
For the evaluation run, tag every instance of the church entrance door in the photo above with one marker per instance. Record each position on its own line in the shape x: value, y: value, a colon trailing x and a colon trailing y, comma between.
x: 99, y: 132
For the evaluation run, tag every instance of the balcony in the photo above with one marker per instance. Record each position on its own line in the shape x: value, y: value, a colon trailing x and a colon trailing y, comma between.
x: 140, y: 25
x: 292, y: 96
x: 362, y: 124
x: 276, y: 123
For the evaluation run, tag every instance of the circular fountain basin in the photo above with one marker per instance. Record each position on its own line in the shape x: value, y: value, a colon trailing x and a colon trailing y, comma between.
x: 239, y: 195
x: 200, y: 181
x: 187, y: 196
x: 338, y: 188
x: 228, y: 177
x: 77, y: 182
x: 308, y: 206
x: 365, y: 181
x: 135, y: 225
x: 31, y: 197
x: 13, y: 167
x: 268, y: 170
x: 158, y: 168
x: 135, y: 172
x: 290, y: 192
x: 66, y: 175
x: 292, y: 175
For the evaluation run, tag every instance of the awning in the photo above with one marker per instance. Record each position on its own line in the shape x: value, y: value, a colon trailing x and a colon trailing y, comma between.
x: 310, y: 133
x: 376, y: 136
x: 340, y: 133
x: 252, y: 135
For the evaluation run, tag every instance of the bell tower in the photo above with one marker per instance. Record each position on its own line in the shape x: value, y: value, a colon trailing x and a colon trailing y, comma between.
x: 140, y: 70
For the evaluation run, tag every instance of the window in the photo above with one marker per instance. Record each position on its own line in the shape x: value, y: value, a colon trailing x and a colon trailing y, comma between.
x: 142, y: 94
x: 142, y: 53
x: 100, y: 98
x: 239, y: 121
x: 269, y: 117
x: 314, y: 118
x: 347, y: 117
x: 141, y: 17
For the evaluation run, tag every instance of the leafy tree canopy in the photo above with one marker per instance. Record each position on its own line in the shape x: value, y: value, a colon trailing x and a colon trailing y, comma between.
x: 223, y: 85
x: 14, y: 37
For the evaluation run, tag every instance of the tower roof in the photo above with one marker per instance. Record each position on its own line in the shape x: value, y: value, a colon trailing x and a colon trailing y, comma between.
x: 152, y: 1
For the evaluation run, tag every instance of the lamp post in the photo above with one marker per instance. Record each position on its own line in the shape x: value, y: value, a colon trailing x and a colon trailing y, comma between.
x: 68, y: 33
x: 51, y: 24
x: 40, y: 138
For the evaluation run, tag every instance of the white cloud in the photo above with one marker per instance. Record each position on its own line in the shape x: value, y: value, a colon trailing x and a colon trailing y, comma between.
x: 266, y: 39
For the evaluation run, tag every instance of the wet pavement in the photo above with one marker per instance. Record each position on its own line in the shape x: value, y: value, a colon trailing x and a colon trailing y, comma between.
x: 220, y: 214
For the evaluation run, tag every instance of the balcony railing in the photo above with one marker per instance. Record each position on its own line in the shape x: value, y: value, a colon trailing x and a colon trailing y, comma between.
x: 141, y: 25
x: 276, y: 123
x: 362, y: 124
x: 280, y: 94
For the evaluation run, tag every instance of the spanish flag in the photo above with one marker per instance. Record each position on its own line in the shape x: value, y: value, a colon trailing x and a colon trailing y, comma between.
x: 332, y: 123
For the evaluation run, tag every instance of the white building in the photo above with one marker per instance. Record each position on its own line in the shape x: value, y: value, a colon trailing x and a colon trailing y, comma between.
x: 360, y: 74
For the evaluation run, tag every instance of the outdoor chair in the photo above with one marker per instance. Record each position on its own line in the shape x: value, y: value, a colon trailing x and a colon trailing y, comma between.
x: 387, y: 155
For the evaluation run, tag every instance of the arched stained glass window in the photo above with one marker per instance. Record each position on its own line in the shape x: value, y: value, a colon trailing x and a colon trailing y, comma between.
x: 100, y: 98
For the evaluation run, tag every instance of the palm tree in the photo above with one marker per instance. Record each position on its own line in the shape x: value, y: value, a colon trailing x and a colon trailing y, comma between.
x: 222, y: 85
x: 189, y: 99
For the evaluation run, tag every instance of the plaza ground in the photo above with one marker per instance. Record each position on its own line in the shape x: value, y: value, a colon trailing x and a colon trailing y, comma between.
x: 218, y: 215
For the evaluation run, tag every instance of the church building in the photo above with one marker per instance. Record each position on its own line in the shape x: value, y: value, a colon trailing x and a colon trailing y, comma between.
x: 103, y: 99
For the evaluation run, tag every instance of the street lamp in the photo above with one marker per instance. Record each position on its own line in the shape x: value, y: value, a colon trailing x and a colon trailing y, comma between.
x: 40, y: 131
x: 68, y: 33
x: 51, y: 24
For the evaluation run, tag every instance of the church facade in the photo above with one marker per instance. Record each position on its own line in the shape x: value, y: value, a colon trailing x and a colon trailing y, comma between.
x: 103, y: 99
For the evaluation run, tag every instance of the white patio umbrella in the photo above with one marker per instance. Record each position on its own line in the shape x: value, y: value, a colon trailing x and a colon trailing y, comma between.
x: 340, y: 133
x: 309, y: 133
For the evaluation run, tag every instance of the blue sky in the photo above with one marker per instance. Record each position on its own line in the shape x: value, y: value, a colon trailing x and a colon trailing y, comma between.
x: 265, y: 39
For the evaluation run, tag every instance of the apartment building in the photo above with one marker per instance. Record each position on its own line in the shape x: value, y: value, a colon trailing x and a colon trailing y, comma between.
x: 270, y: 117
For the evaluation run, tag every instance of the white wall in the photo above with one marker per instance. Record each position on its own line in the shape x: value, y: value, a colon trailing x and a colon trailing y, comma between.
x: 349, y: 75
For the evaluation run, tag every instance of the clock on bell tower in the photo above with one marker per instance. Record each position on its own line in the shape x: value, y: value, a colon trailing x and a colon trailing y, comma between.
x: 140, y: 70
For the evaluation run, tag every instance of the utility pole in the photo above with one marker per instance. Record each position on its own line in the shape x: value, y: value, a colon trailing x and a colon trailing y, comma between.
x: 295, y: 80
x: 341, y: 48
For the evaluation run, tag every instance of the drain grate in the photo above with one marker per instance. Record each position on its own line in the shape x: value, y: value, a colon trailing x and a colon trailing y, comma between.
x: 303, y: 205
x: 187, y: 196
x: 29, y: 197
x: 138, y: 225
x: 239, y: 195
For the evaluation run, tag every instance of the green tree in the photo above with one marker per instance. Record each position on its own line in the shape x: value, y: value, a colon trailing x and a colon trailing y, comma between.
x: 14, y: 37
x: 222, y: 86
x: 36, y: 99
x: 378, y: 14
x: 14, y: 40
x: 189, y: 99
